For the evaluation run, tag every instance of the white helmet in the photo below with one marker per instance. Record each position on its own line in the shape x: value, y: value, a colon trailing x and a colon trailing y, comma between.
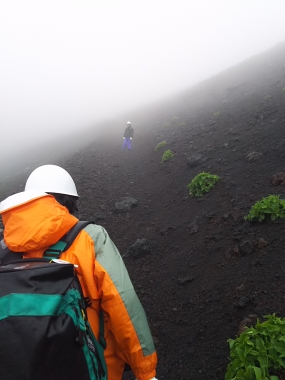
x: 129, y: 123
x: 51, y: 179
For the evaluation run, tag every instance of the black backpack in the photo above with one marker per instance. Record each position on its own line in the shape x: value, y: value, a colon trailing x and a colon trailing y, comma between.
x: 44, y: 331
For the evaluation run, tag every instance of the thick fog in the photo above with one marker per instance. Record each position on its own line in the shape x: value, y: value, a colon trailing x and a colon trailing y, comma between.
x: 70, y: 64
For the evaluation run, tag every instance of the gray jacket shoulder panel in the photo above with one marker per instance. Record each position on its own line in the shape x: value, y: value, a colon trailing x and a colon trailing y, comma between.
x: 110, y: 259
x: 99, y: 236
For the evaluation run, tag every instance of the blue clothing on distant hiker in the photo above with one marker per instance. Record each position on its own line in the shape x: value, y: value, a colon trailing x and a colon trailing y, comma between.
x: 127, y: 143
x: 128, y: 136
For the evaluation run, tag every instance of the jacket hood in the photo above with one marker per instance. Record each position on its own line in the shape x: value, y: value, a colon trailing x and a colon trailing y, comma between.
x: 32, y: 224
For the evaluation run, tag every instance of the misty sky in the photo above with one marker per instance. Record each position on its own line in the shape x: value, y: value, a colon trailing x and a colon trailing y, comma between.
x: 67, y: 64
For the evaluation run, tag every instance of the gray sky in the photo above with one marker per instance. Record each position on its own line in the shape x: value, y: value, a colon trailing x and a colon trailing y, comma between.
x: 66, y: 64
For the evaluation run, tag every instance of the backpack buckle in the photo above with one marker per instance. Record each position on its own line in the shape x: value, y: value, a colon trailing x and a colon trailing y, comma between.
x: 55, y: 250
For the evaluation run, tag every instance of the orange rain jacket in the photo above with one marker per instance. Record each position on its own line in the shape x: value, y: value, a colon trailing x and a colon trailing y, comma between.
x: 33, y: 225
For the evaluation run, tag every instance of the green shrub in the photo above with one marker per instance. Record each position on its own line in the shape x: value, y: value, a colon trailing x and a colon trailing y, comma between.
x: 181, y: 124
x: 258, y: 352
x: 160, y: 145
x: 202, y: 184
x: 165, y: 125
x: 175, y: 118
x: 283, y: 89
x: 271, y: 206
x: 167, y: 155
x: 267, y: 97
x: 216, y: 114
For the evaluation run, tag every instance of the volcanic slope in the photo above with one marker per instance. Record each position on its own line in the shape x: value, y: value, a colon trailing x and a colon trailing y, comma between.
x: 208, y: 268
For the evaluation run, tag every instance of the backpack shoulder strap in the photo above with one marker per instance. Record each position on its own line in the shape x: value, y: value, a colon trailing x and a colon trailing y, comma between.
x: 6, y: 255
x: 55, y: 250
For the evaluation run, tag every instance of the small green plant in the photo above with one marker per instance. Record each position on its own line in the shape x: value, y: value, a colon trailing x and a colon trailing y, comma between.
x: 165, y: 125
x: 216, y: 114
x: 202, y: 184
x: 267, y: 97
x: 160, y: 145
x: 259, y: 352
x: 167, y: 155
x: 283, y: 90
x: 271, y: 206
x: 181, y: 124
x: 175, y: 118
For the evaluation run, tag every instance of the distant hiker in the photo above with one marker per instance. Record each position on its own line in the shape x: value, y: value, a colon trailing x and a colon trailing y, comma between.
x: 38, y: 218
x: 128, y: 136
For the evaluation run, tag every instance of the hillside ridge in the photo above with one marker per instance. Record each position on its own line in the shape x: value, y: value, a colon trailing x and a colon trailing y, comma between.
x: 207, y: 268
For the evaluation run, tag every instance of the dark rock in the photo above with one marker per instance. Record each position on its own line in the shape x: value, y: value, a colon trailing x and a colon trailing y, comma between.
x: 278, y: 179
x: 184, y: 280
x: 262, y: 244
x: 253, y: 156
x: 195, y: 160
x: 231, y: 185
x: 140, y: 248
x: 97, y: 217
x: 242, y: 302
x: 246, y: 247
x: 240, y: 287
x: 218, y: 236
x: 193, y: 227
x: 247, y: 322
x: 125, y: 204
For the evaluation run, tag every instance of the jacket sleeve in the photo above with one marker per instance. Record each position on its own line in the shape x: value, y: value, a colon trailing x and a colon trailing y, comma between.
x: 126, y: 317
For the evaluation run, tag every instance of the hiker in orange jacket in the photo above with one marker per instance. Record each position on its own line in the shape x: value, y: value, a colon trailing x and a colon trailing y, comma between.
x: 37, y: 218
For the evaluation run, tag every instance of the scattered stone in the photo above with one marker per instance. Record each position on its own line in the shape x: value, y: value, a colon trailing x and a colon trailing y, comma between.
x: 217, y: 237
x: 222, y: 161
x: 240, y: 287
x: 193, y: 227
x: 125, y: 204
x: 262, y: 244
x: 210, y: 215
x: 242, y: 302
x: 247, y: 322
x: 140, y: 248
x: 278, y: 179
x: 237, y: 234
x: 184, y: 280
x: 97, y: 217
x: 253, y: 156
x: 195, y: 160
x: 246, y: 247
